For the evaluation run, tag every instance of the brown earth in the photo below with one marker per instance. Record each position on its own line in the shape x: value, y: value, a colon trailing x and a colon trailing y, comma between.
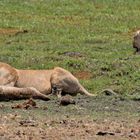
x: 84, y: 75
x: 11, y: 31
x: 103, y: 117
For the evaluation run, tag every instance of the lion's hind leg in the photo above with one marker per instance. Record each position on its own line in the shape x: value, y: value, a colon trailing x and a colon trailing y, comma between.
x: 14, y: 93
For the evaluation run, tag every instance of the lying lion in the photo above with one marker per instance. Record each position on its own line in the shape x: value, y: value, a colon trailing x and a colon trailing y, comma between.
x: 22, y: 84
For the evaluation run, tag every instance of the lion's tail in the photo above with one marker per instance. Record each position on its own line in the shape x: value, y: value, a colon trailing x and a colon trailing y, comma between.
x: 83, y: 91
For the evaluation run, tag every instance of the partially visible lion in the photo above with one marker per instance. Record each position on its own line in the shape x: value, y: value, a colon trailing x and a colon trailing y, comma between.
x: 136, y: 42
x: 18, y: 84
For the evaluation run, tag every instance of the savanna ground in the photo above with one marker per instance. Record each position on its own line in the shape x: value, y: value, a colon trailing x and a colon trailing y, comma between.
x: 93, y: 40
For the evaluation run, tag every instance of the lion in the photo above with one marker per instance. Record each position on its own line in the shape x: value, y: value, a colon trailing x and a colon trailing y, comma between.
x: 38, y: 84
x: 136, y: 42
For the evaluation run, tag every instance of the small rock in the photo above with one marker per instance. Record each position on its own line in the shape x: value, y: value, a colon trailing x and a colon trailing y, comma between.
x: 103, y: 133
x: 66, y: 100
x: 73, y: 54
x: 30, y: 102
x: 25, y: 105
x: 28, y: 123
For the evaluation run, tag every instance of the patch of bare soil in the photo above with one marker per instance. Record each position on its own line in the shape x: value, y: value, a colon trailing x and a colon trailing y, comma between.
x: 90, y: 129
x: 67, y: 129
x: 83, y: 75
x: 105, y: 117
x: 11, y: 31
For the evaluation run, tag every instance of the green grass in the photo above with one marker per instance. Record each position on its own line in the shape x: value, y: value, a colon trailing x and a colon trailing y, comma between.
x: 101, y: 30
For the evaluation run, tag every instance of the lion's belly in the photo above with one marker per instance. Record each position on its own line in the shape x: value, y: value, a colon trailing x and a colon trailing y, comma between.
x: 37, y: 79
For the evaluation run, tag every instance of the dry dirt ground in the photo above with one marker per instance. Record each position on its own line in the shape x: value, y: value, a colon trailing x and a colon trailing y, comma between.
x: 105, y: 117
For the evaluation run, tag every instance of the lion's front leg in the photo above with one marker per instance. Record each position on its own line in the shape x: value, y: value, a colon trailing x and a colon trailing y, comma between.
x: 56, y: 91
x: 12, y: 93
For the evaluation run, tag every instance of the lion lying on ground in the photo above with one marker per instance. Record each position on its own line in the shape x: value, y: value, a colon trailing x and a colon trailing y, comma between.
x: 23, y: 84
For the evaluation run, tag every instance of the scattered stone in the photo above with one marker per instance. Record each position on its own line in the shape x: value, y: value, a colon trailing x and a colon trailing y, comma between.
x: 21, y: 32
x: 73, y: 54
x: 30, y: 102
x: 103, y: 133
x: 25, y: 105
x: 28, y: 123
x: 1, y: 106
x: 17, y: 106
x: 109, y: 92
x: 132, y: 135
x: 66, y: 100
x: 45, y: 108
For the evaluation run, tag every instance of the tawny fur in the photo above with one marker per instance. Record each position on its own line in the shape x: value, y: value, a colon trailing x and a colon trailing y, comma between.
x: 66, y: 82
x: 136, y: 42
x: 14, y: 93
x: 38, y: 83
